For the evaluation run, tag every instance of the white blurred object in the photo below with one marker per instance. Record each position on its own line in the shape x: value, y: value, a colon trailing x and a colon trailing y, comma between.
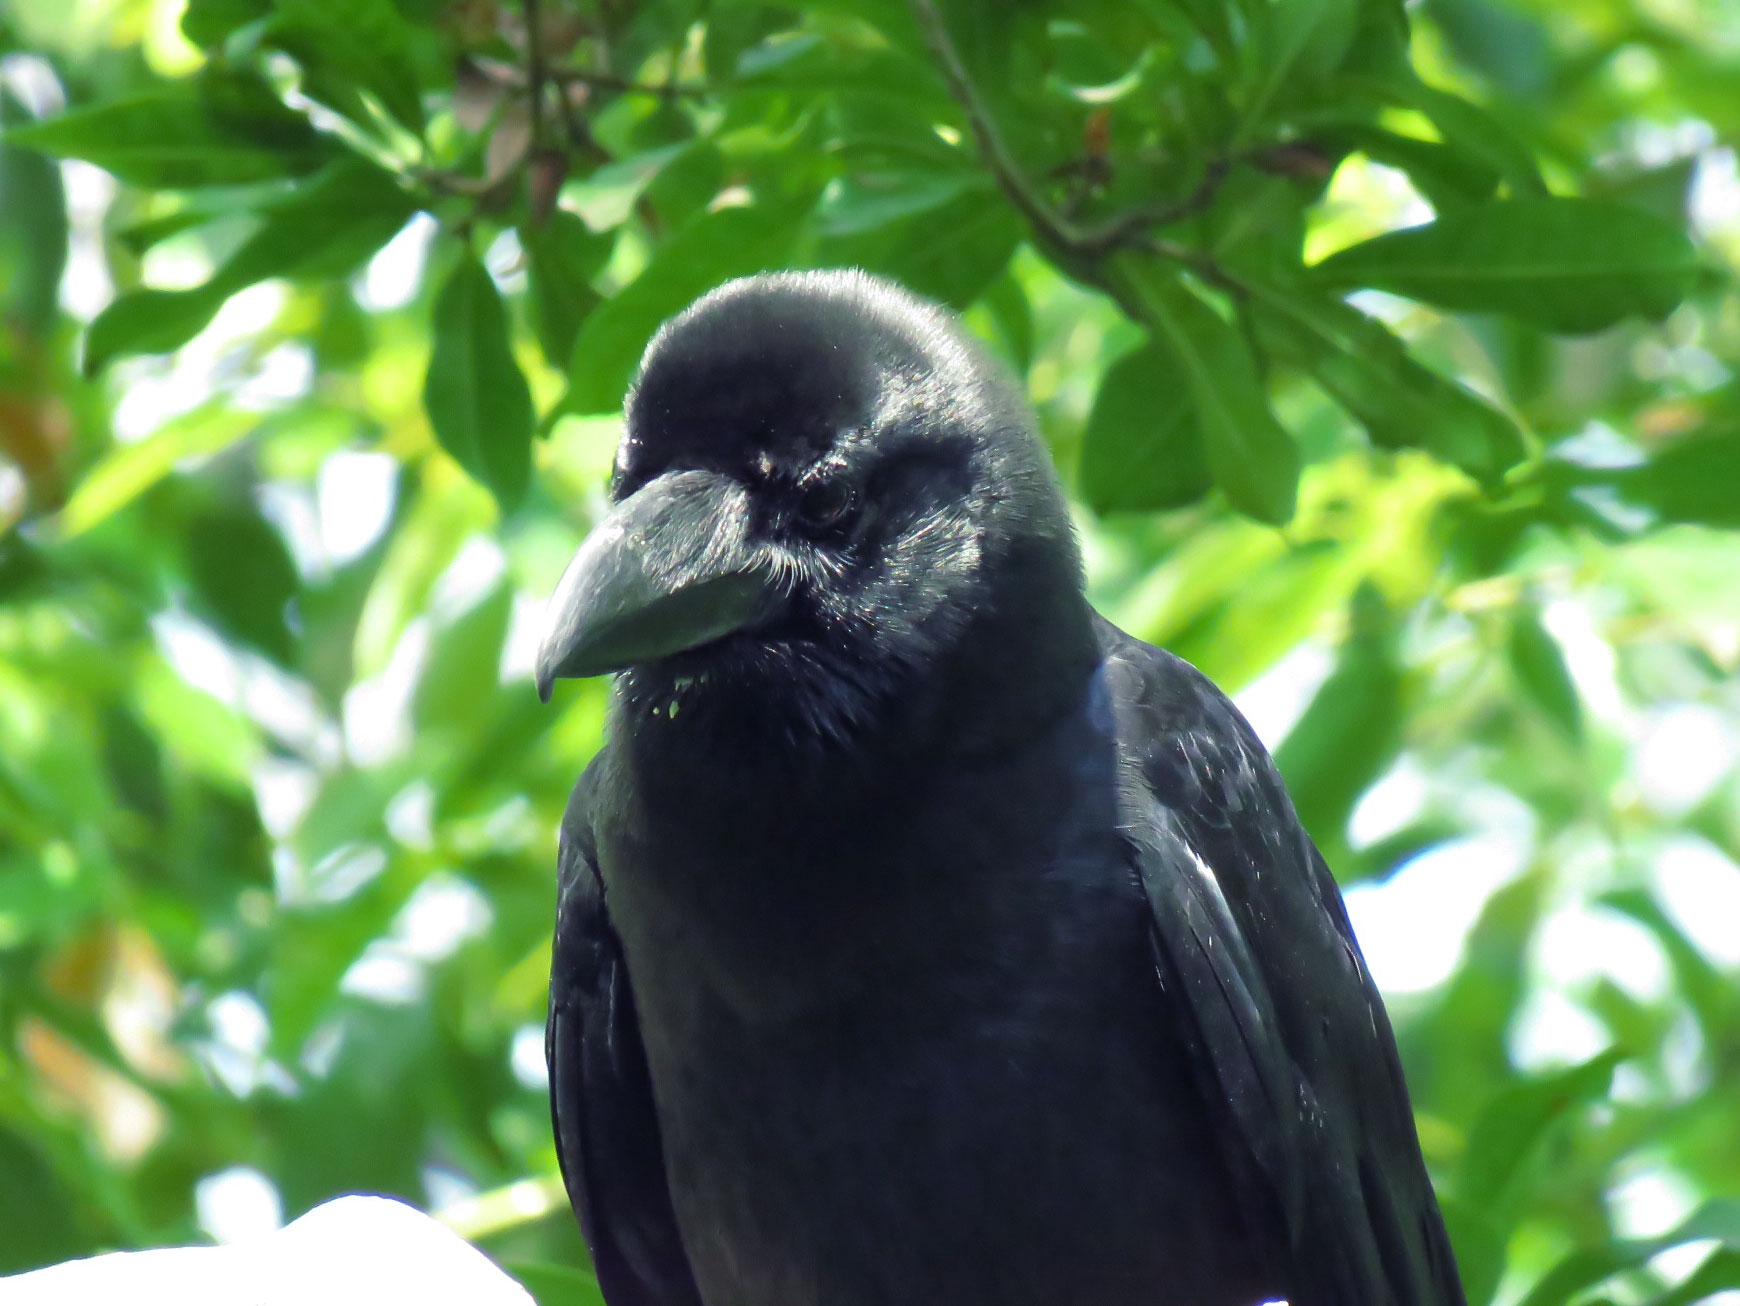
x: 353, y: 1251
x: 1412, y: 926
x: 238, y: 1205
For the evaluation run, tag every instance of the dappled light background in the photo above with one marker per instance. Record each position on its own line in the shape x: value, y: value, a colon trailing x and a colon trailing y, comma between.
x: 278, y: 801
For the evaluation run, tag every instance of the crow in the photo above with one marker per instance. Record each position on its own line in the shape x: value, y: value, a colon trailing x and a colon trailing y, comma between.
x: 922, y: 938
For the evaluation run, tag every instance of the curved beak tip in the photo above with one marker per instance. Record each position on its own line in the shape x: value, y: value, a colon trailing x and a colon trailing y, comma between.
x: 670, y: 569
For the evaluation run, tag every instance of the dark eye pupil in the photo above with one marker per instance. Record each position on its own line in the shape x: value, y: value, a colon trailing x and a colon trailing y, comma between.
x: 825, y: 504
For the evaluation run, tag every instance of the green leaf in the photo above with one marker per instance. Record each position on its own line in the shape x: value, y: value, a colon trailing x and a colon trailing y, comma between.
x: 1692, y: 480
x: 706, y: 251
x: 1514, y: 1124
x: 23, y: 569
x: 1498, y: 40
x: 1665, y: 189
x: 1583, y: 1269
x: 39, y: 1207
x: 1095, y: 67
x: 1479, y: 1241
x: 1370, y: 373
x: 1567, y: 265
x: 1142, y: 451
x: 33, y: 230
x: 137, y: 237
x: 1351, y: 729
x: 1301, y: 41
x: 562, y: 257
x: 350, y: 45
x: 231, y: 129
x: 686, y: 185
x: 1540, y: 668
x: 475, y: 393
x: 244, y: 576
x: 1011, y: 318
x: 337, y: 908
x: 883, y: 134
x: 343, y: 332
x: 607, y: 195
x: 1501, y: 1162
x: 463, y: 667
x: 949, y: 252
x: 1709, y: 992
x: 1252, y: 459
x: 128, y: 470
x: 1449, y: 178
x: 1249, y: 598
x: 1719, y: 1271
x: 730, y: 31
x: 556, y: 1285
x: 201, y: 733
x: 325, y: 228
x: 208, y: 23
x: 149, y: 322
x: 893, y: 19
x: 1465, y: 127
x: 866, y: 201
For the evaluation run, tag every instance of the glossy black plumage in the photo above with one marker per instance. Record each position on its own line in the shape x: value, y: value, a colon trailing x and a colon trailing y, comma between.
x: 927, y: 939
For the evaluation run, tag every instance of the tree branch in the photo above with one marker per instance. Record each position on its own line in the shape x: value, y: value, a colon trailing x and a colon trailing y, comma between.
x: 1079, y: 246
x: 1051, y: 226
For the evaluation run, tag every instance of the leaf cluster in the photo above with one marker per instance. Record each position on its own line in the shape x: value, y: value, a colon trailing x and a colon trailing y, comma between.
x: 1387, y: 354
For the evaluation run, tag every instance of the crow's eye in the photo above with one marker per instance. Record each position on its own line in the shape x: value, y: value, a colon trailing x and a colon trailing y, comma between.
x: 825, y: 505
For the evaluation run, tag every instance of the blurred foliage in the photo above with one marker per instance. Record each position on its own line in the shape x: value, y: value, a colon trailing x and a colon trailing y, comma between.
x: 1390, y: 353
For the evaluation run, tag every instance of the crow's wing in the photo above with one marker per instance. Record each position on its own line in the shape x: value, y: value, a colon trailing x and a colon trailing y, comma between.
x: 1286, y: 1031
x: 607, y: 1134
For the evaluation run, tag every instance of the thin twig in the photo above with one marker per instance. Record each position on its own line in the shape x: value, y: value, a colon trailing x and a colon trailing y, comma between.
x: 580, y: 137
x: 1198, y: 262
x: 534, y: 71
x: 1127, y: 227
x: 622, y: 85
x: 1051, y: 225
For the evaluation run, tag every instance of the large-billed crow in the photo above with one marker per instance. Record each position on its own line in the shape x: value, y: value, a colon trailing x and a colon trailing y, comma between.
x: 923, y: 939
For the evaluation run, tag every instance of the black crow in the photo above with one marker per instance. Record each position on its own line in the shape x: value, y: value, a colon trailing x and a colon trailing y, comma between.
x: 923, y: 939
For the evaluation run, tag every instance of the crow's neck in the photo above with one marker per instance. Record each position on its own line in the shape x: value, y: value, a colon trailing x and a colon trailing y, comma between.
x: 1021, y: 663
x: 1016, y: 665
x: 786, y: 885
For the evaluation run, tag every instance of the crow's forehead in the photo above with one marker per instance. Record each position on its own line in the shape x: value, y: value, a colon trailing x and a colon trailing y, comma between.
x: 774, y: 396
x: 759, y: 383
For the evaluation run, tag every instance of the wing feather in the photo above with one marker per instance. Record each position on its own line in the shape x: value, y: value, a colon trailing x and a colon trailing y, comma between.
x: 601, y: 1103
x: 1287, y: 1032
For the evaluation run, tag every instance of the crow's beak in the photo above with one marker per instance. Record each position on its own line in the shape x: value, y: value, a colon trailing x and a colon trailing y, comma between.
x: 671, y: 568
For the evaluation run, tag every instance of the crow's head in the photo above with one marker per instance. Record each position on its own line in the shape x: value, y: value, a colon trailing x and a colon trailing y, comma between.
x: 825, y: 496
